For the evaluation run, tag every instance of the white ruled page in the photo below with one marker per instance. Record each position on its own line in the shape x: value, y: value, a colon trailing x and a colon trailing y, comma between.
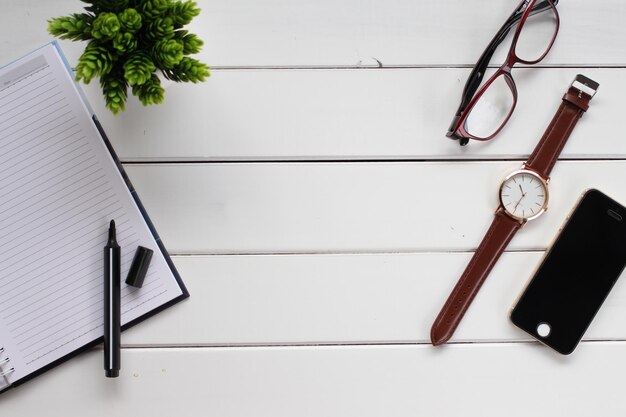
x: 59, y: 188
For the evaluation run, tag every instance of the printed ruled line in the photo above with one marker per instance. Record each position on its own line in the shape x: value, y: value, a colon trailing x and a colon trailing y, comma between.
x: 32, y: 98
x: 93, y: 232
x: 95, y: 328
x: 17, y: 280
x: 37, y: 103
x: 19, y: 301
x: 34, y: 167
x: 42, y: 255
x: 96, y: 272
x: 24, y: 79
x: 49, y: 277
x: 31, y: 164
x: 63, y: 319
x: 58, y: 220
x: 59, y: 256
x: 37, y: 283
x: 28, y: 134
x: 6, y: 153
x: 36, y: 277
x: 33, y: 105
x: 91, y: 330
x: 91, y: 309
x: 45, y: 174
x: 43, y: 237
x: 97, y: 287
x: 76, y: 295
x: 34, y: 114
x: 46, y: 124
x: 46, y: 83
x: 94, y: 311
x: 29, y: 350
x: 32, y: 138
x: 46, y: 312
x: 72, y: 282
x: 53, y: 194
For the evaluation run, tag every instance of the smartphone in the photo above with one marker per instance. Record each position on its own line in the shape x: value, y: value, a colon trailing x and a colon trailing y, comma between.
x: 576, y: 274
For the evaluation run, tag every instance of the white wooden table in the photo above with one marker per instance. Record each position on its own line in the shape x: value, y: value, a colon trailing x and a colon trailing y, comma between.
x: 311, y: 203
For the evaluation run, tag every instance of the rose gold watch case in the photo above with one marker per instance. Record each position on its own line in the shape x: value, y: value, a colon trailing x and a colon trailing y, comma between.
x: 543, y: 181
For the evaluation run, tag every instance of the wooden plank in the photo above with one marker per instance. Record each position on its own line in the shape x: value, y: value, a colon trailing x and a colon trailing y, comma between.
x: 349, y: 207
x: 395, y: 32
x: 353, y: 33
x: 345, y: 299
x: 352, y: 114
x: 356, y: 114
x: 490, y: 380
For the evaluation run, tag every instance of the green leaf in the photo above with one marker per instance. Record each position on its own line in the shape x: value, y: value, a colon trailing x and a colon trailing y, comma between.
x: 153, y: 9
x: 160, y: 28
x: 150, y: 92
x: 184, y: 12
x: 188, y: 70
x: 114, y: 88
x: 75, y: 27
x: 168, y: 53
x: 125, y: 43
x: 138, y: 69
x: 191, y: 43
x: 106, y: 26
x: 95, y: 61
x: 130, y: 20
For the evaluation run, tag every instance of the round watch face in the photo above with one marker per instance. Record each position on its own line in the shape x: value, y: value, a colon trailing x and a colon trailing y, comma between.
x: 524, y: 195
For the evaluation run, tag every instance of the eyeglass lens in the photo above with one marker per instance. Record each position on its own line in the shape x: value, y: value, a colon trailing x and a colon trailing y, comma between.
x: 496, y: 103
x: 491, y: 110
x: 536, y: 35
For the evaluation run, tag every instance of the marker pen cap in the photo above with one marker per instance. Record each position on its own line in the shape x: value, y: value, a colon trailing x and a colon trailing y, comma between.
x: 139, y: 267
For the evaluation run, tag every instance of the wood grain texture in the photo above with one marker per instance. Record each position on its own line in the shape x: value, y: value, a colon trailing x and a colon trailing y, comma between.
x: 349, y: 207
x: 353, y: 114
x: 345, y: 299
x: 396, y: 32
x: 492, y: 380
x: 290, y: 33
x: 247, y: 33
x: 300, y: 251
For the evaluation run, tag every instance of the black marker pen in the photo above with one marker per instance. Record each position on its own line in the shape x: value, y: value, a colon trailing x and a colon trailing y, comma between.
x: 112, y: 305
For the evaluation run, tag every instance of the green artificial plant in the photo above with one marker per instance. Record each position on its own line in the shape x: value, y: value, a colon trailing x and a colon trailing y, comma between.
x: 129, y: 41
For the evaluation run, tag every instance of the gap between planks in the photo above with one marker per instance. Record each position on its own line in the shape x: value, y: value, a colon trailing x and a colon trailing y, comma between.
x: 382, y: 66
x: 339, y: 253
x: 305, y: 345
x: 356, y: 159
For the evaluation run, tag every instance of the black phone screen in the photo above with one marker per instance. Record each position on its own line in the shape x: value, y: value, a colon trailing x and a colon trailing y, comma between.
x: 576, y: 274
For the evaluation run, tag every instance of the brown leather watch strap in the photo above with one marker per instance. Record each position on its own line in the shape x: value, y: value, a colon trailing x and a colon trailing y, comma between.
x: 575, y: 103
x: 502, y: 230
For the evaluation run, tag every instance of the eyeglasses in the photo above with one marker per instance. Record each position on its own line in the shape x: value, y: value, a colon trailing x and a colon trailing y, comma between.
x: 484, y: 111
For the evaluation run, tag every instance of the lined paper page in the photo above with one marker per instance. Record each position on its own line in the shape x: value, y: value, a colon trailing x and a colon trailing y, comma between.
x: 59, y: 188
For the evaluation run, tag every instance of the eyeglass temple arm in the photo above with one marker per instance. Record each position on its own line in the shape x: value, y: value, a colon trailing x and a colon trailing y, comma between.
x: 478, y: 73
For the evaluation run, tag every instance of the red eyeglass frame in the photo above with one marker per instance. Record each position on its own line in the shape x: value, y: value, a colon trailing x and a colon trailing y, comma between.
x: 505, y: 70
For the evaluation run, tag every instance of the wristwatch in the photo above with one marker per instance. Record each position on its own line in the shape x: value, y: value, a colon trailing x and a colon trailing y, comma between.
x: 523, y: 196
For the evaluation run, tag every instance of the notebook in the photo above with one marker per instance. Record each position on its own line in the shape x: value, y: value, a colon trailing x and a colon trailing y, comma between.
x: 60, y: 185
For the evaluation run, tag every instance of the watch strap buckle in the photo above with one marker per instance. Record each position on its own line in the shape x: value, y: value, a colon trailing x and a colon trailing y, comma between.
x: 584, y: 85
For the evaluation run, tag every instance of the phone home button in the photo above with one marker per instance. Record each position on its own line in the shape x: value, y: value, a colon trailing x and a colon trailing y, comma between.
x: 543, y: 329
